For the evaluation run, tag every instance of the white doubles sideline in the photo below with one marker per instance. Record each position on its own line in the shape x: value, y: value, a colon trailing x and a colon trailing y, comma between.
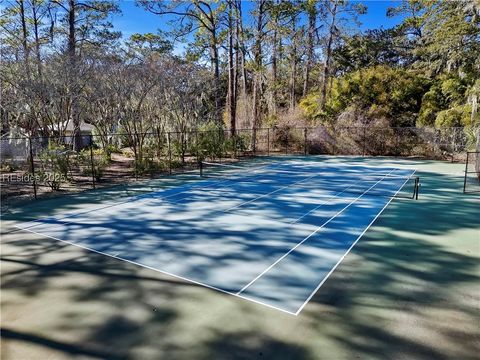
x: 238, y: 294
x: 309, y: 236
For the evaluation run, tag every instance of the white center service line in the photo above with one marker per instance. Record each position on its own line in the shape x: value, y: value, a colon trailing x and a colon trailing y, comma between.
x: 272, y: 192
x: 309, y: 236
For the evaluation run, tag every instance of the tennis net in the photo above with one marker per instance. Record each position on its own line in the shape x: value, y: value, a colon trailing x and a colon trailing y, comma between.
x: 270, y: 176
x: 471, y: 182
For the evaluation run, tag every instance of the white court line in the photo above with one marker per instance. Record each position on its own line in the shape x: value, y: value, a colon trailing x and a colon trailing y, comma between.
x: 127, y: 200
x: 144, y: 201
x: 309, y: 236
x: 320, y: 205
x: 184, y: 278
x: 161, y: 271
x: 348, y: 250
x: 272, y: 192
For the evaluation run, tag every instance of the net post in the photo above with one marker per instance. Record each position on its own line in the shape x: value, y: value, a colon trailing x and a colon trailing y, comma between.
x: 32, y: 167
x: 91, y: 161
x: 417, y: 187
x: 465, y: 175
x: 200, y: 167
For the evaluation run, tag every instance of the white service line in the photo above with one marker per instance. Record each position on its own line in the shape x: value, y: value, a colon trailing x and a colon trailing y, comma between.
x: 272, y: 192
x: 321, y: 204
x: 127, y: 200
x: 146, y: 200
x: 348, y: 250
x: 309, y: 236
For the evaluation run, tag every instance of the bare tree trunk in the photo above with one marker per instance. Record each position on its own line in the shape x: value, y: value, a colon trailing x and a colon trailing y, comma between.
x: 326, y: 69
x: 275, y: 50
x: 232, y: 100
x: 36, y: 25
x: 293, y: 65
x: 26, y: 58
x: 72, y: 56
x: 242, y: 53
x: 216, y: 75
x: 26, y: 49
x: 258, y: 68
x: 312, y: 16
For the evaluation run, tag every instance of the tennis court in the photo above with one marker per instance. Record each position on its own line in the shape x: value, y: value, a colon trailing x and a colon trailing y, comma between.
x: 268, y: 232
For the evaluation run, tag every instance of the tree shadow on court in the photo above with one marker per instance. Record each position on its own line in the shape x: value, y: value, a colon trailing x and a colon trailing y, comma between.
x: 132, y: 309
x: 407, y: 290
x: 250, y: 345
x: 397, y: 278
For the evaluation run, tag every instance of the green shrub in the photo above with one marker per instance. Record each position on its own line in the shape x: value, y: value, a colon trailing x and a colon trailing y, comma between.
x: 128, y: 153
x: 147, y: 166
x: 54, y: 165
x: 6, y: 167
x: 210, y: 141
x: 238, y: 143
x: 375, y: 92
x: 101, y: 159
x: 454, y: 117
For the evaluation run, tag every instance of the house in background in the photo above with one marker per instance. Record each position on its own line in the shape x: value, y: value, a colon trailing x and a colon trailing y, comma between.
x: 14, y: 144
x: 85, y: 132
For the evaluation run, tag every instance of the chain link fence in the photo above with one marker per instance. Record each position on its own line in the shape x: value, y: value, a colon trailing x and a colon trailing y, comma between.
x: 37, y: 166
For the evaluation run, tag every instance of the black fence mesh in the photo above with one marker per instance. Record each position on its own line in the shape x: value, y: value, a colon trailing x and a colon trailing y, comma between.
x: 36, y: 166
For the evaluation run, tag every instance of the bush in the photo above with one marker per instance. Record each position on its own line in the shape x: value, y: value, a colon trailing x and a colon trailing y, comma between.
x: 454, y: 117
x: 147, y: 166
x: 238, y: 143
x: 374, y: 93
x: 55, y: 165
x: 210, y: 141
x: 6, y: 167
x: 101, y: 159
x: 128, y: 153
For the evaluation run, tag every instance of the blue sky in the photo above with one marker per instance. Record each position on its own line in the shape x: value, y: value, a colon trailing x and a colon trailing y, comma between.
x: 136, y: 20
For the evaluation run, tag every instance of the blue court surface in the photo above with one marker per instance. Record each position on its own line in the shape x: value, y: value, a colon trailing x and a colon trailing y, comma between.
x: 271, y: 233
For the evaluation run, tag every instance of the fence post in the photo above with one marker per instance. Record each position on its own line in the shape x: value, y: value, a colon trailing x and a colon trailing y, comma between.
x: 220, y: 139
x: 455, y: 138
x: 91, y: 161
x: 465, y: 175
x: 197, y: 148
x: 169, y: 153
x: 32, y: 167
x: 396, y: 141
x: 235, y: 143
x: 268, y: 141
x: 305, y: 141
x: 334, y: 141
x: 182, y: 147
x: 364, y: 140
